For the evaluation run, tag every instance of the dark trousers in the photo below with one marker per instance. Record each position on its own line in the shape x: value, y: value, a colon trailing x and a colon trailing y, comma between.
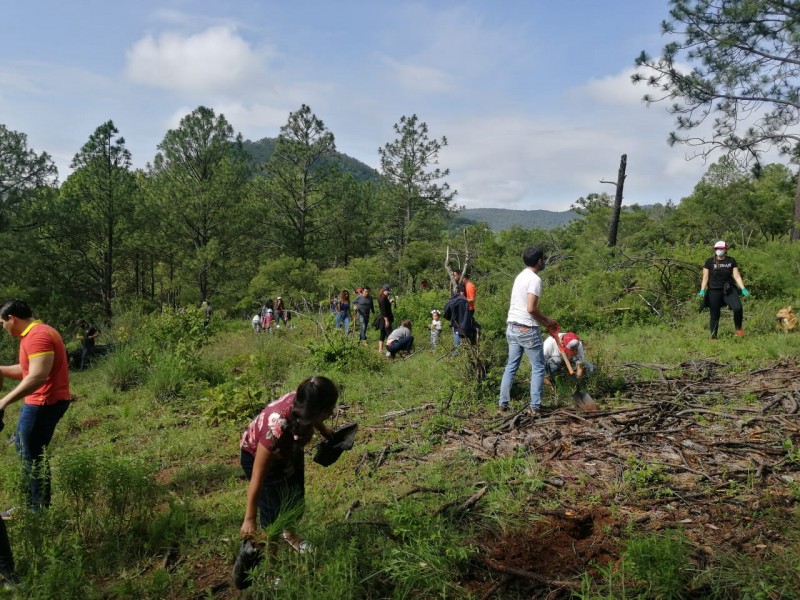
x: 397, y: 345
x: 281, y: 489
x: 85, y: 353
x: 35, y: 429
x: 716, y: 300
x: 6, y: 557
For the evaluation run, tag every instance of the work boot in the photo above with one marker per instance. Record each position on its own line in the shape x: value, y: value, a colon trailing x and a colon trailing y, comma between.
x: 740, y: 332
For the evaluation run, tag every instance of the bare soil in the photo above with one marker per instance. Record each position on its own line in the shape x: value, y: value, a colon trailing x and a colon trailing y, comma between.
x: 694, y: 448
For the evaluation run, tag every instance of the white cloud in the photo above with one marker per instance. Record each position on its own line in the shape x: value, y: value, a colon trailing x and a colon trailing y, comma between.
x: 615, y: 90
x: 418, y: 78
x: 215, y: 59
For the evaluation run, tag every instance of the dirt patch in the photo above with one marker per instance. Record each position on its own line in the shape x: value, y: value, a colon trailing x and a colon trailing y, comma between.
x: 212, y: 578
x: 711, y: 454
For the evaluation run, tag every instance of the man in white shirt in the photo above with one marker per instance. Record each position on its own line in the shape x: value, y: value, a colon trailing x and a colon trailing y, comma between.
x: 523, y: 331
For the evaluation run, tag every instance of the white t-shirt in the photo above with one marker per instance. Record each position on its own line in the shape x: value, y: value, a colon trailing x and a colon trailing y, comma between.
x: 526, y: 283
x: 550, y: 350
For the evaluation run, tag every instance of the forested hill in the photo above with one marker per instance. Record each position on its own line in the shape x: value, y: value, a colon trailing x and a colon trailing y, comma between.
x: 262, y: 150
x: 499, y: 219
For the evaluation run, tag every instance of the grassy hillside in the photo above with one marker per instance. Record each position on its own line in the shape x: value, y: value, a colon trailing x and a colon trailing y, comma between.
x: 685, y: 482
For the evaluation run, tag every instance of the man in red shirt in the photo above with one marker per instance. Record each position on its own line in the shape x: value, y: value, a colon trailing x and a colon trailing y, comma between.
x: 44, y: 384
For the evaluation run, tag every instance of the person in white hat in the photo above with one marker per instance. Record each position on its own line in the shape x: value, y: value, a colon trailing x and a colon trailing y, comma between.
x: 718, y: 288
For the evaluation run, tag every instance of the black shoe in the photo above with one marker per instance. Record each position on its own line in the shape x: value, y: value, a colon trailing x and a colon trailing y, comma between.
x: 248, y: 557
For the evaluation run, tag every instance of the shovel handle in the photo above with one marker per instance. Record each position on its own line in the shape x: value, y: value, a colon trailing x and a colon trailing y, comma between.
x: 565, y: 357
x: 553, y: 329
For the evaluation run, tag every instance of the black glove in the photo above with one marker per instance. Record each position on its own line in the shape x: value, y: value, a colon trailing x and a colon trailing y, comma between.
x: 2, y: 413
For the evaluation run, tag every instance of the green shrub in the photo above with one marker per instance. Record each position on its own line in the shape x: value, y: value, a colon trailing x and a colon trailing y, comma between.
x: 123, y: 369
x: 660, y: 563
x: 108, y: 496
x: 344, y: 354
x: 234, y: 401
x: 168, y: 376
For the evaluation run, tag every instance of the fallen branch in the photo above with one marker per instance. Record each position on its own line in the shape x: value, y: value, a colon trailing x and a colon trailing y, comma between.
x: 501, y: 568
x: 466, y: 505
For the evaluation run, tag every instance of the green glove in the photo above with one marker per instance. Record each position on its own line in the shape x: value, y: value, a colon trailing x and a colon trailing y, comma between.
x: 745, y: 293
x: 701, y: 294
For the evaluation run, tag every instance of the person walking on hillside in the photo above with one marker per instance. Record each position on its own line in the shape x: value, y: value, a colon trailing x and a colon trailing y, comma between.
x: 272, y: 455
x: 365, y: 306
x: 44, y: 384
x: 343, y: 312
x: 470, y: 291
x: 385, y: 315
x: 720, y: 276
x: 523, y: 332
x: 456, y: 310
x: 87, y: 335
x: 279, y: 312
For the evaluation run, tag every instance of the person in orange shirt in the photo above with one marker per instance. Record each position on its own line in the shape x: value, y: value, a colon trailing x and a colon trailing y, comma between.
x: 469, y: 289
x: 44, y: 384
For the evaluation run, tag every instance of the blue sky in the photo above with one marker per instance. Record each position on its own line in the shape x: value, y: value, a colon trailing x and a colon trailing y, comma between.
x: 534, y: 97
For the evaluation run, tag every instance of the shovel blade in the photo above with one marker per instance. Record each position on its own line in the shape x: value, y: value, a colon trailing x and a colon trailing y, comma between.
x: 584, y: 401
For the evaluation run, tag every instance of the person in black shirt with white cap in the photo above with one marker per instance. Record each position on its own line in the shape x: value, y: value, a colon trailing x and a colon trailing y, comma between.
x: 720, y: 276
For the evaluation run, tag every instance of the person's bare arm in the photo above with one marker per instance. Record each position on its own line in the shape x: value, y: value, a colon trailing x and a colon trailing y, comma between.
x: 737, y: 277
x: 704, y: 283
x: 533, y: 309
x: 324, y: 431
x: 11, y: 371
x: 38, y: 370
x: 262, y: 461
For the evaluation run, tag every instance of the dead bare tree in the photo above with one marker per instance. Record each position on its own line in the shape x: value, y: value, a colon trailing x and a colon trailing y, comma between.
x: 617, y: 208
x: 463, y: 266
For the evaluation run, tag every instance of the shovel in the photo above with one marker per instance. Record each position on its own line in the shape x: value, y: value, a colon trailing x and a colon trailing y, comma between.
x: 581, y: 399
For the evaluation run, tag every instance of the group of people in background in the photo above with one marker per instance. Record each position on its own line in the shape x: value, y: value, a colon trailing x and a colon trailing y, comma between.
x: 273, y: 315
x: 271, y: 446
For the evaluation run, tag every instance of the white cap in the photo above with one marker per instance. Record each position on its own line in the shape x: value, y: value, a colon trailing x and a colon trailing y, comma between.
x: 721, y: 245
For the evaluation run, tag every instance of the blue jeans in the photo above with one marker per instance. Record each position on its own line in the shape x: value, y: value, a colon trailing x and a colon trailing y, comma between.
x: 362, y: 326
x: 526, y: 340
x: 343, y: 318
x: 456, y: 339
x: 35, y: 429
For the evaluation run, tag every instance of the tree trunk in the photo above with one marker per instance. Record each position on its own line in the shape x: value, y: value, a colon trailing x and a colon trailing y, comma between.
x: 795, y: 235
x: 614, y: 226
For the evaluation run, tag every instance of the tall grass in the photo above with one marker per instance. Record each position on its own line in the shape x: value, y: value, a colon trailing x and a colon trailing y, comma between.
x: 146, y: 464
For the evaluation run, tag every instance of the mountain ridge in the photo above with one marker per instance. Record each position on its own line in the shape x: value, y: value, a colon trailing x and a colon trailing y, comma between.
x: 499, y: 219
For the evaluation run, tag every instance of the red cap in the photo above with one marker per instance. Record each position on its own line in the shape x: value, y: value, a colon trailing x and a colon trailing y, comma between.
x: 570, y: 342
